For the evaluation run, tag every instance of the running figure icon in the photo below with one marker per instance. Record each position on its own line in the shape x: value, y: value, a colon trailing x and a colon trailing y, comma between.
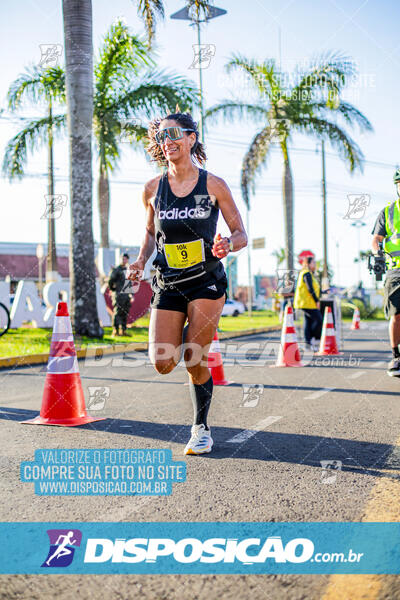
x: 62, y: 549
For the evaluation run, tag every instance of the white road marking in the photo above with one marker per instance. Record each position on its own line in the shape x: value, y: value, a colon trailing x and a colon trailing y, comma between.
x: 380, y: 363
x: 246, y: 434
x: 356, y: 375
x: 319, y: 393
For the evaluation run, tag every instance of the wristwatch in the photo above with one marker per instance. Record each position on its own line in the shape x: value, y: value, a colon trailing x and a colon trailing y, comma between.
x: 230, y: 244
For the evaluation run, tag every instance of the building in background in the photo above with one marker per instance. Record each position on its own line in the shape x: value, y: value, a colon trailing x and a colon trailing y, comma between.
x: 262, y: 291
x: 18, y: 261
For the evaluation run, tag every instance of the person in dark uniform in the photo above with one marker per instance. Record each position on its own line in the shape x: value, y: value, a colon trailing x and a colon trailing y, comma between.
x: 120, y: 298
x: 182, y: 208
x: 387, y: 230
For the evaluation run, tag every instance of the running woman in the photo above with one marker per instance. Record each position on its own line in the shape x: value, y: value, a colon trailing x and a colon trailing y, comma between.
x: 182, y: 208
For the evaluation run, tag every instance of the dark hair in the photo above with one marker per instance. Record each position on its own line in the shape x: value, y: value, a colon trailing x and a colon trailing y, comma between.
x: 186, y: 121
x: 125, y: 255
x: 309, y: 260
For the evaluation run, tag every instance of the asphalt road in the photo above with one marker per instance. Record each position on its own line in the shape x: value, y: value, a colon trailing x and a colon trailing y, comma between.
x: 343, y: 409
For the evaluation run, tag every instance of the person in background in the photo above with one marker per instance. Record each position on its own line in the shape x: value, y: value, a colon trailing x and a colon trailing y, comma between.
x: 387, y: 231
x: 120, y: 298
x: 306, y: 298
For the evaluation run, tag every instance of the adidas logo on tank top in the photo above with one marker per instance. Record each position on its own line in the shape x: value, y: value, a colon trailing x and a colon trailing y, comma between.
x: 185, y: 213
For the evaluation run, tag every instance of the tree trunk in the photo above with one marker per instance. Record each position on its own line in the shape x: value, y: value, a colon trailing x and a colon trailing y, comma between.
x: 104, y: 205
x: 77, y: 16
x: 287, y: 189
x: 51, y: 261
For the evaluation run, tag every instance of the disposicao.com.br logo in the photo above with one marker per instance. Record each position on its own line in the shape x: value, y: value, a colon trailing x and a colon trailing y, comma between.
x: 177, y: 553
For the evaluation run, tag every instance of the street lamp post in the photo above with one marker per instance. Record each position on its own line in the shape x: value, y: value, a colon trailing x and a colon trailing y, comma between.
x: 40, y: 255
x: 193, y: 14
x: 358, y: 224
x: 325, y: 277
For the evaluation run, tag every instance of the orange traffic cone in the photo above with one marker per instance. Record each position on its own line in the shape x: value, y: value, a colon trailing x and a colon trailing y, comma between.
x: 289, y: 353
x: 356, y: 319
x: 328, y: 345
x: 63, y: 401
x: 215, y: 363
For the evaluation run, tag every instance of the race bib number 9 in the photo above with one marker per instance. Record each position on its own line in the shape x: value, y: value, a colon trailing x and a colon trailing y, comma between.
x: 187, y: 254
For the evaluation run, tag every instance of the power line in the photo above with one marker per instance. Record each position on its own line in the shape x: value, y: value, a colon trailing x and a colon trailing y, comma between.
x: 275, y: 148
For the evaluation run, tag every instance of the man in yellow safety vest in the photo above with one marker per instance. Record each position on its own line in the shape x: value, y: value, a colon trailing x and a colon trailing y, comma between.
x: 306, y: 298
x: 387, y: 230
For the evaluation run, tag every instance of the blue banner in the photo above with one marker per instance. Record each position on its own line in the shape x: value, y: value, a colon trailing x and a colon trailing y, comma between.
x: 210, y: 548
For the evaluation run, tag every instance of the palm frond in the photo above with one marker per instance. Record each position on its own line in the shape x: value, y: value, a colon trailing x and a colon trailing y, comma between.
x: 199, y: 9
x: 150, y: 11
x: 33, y: 134
x: 328, y: 74
x: 263, y: 75
x: 35, y: 85
x: 351, y: 115
x: 254, y: 159
x: 159, y: 91
x: 230, y: 109
x: 347, y: 148
x: 121, y: 56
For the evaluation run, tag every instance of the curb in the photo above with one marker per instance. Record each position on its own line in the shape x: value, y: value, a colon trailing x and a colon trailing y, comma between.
x: 100, y: 351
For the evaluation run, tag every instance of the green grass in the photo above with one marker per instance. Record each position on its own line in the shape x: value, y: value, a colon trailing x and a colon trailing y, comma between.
x: 26, y: 340
x: 262, y: 318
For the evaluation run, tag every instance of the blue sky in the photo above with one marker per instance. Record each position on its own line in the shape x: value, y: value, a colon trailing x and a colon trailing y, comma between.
x: 366, y: 31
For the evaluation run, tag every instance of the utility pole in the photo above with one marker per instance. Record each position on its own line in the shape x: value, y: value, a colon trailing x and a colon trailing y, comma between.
x: 325, y: 270
x: 193, y: 15
x: 229, y: 265
x: 249, y: 284
x: 51, y: 261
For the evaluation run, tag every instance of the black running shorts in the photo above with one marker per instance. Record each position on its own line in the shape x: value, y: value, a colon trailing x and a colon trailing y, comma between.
x: 391, y: 294
x: 178, y: 297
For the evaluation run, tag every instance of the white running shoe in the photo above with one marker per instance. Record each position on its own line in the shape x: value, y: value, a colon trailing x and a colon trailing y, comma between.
x: 200, y: 442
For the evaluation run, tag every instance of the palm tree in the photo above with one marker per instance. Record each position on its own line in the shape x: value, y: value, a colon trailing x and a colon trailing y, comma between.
x: 77, y: 15
x: 35, y: 86
x: 151, y: 10
x: 127, y: 91
x: 280, y: 255
x: 313, y: 106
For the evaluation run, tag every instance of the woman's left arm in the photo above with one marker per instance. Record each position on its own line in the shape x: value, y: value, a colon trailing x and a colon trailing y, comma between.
x: 219, y: 189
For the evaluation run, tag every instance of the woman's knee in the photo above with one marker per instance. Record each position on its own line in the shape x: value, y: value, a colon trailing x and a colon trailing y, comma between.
x: 163, y: 365
x: 163, y: 357
x: 197, y: 370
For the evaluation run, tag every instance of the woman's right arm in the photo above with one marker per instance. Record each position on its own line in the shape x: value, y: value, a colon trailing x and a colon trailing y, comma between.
x: 146, y: 250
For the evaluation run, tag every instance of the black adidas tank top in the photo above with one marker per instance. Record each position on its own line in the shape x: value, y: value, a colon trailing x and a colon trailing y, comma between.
x: 184, y: 226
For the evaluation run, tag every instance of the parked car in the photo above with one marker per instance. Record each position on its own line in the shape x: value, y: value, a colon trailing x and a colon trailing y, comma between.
x: 232, y: 308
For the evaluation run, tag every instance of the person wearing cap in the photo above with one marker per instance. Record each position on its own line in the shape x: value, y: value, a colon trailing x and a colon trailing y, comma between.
x: 306, y: 298
x: 387, y: 230
x: 120, y: 298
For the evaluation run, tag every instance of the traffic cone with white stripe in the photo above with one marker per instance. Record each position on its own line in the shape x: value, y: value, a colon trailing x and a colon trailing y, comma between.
x: 63, y: 401
x: 328, y: 345
x: 289, y: 353
x: 356, y: 319
x: 215, y: 363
